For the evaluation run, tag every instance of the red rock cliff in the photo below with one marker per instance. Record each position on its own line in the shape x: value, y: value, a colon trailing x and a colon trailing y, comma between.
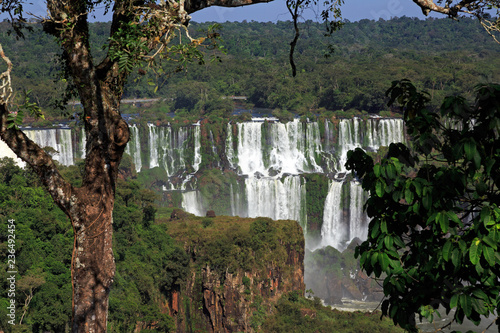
x: 230, y: 291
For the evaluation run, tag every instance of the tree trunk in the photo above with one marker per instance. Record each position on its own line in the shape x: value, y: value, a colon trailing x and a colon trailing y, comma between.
x: 93, y: 264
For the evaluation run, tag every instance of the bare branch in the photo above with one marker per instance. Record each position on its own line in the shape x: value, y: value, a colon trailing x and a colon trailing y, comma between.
x: 5, y: 85
x: 476, y: 8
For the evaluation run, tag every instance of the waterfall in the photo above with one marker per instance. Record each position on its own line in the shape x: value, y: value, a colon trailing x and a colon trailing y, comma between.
x: 383, y: 132
x: 250, y: 149
x: 134, y: 147
x: 333, y: 232
x: 349, y: 138
x: 153, y: 146
x: 291, y: 148
x: 358, y: 221
x: 60, y: 139
x: 229, y: 147
x: 275, y: 198
x: 197, y: 147
x: 192, y: 203
x: 314, y: 147
x: 269, y: 156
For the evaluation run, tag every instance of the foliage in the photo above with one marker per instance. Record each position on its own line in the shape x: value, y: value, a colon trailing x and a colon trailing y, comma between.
x: 297, y: 314
x: 442, y: 55
x: 232, y: 243
x: 435, y: 228
x: 149, y: 263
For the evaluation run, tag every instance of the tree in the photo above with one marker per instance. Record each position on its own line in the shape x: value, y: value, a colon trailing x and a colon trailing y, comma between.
x: 434, y: 233
x: 141, y: 32
x: 477, y: 8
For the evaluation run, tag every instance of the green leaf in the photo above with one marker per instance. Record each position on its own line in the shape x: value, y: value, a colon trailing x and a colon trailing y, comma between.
x: 477, y: 160
x: 489, y: 255
x: 478, y: 306
x: 375, y: 226
x: 418, y: 187
x: 466, y: 304
x: 409, y: 196
x: 478, y: 293
x: 374, y: 258
x: 490, y: 242
x: 454, y: 301
x: 455, y: 258
x: 391, y: 171
x: 427, y: 202
x: 388, y: 242
x: 447, y: 250
x: 383, y: 227
x: 383, y: 260
x: 399, y: 242
x: 380, y: 188
x: 470, y: 149
x: 442, y: 219
x: 473, y: 252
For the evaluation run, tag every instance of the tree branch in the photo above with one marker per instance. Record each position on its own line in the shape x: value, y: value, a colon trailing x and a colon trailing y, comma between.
x: 294, y: 11
x: 192, y: 6
x: 465, y: 5
x: 60, y: 190
x: 30, y: 152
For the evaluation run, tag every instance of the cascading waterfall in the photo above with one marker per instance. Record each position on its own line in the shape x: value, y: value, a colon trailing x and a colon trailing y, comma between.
x: 134, y: 147
x: 271, y: 155
x: 192, y: 203
x: 358, y: 220
x: 250, y: 149
x: 197, y: 147
x: 383, y: 132
x: 290, y: 148
x: 153, y: 146
x: 60, y: 139
x: 349, y: 138
x: 333, y: 231
x: 279, y: 199
x: 229, y: 147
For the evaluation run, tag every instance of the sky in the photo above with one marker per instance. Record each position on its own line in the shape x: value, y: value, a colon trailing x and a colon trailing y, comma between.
x: 352, y: 10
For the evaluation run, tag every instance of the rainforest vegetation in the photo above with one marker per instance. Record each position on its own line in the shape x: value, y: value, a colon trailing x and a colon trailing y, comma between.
x: 150, y: 260
x: 442, y: 56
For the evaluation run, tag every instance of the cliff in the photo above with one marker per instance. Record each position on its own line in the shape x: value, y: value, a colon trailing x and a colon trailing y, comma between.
x: 239, y: 268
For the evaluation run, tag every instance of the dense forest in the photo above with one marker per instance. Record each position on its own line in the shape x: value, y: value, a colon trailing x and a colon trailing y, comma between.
x: 442, y: 56
x: 155, y: 257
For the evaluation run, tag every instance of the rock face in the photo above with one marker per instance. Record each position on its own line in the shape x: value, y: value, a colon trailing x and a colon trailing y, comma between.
x: 259, y: 261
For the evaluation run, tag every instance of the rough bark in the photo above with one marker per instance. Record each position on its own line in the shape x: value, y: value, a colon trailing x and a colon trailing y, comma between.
x: 100, y: 88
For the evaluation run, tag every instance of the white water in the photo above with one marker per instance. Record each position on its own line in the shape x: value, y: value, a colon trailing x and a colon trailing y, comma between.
x: 275, y: 198
x: 229, y: 147
x: 197, y: 148
x: 349, y: 138
x: 134, y: 147
x: 59, y: 139
x: 192, y: 203
x: 358, y: 221
x: 333, y: 232
x: 272, y: 156
x: 290, y: 148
